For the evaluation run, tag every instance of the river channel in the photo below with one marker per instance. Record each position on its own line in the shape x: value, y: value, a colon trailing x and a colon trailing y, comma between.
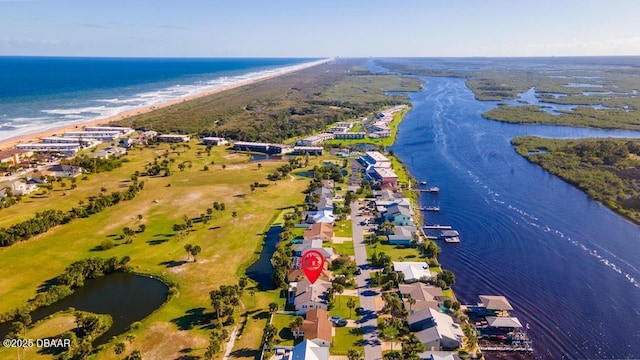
x: 569, y: 266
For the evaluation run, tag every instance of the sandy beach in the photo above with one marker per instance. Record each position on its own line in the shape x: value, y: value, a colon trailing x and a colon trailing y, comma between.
x: 34, y: 137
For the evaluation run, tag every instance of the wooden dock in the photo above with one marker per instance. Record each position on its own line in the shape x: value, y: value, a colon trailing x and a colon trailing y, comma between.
x: 433, y: 189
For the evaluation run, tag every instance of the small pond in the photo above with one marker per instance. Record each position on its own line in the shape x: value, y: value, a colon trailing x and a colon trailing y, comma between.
x: 126, y: 297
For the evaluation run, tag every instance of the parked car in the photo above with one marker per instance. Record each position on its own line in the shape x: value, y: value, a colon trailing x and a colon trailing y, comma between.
x: 358, y: 272
x: 334, y: 318
x: 341, y: 323
x: 359, y: 310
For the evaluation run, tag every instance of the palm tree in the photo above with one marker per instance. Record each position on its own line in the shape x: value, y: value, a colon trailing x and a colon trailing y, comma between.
x: 351, y: 304
x: 195, y: 251
x: 296, y: 324
x: 354, y: 355
x: 188, y: 248
x: 411, y: 301
x: 119, y: 348
x: 273, y: 307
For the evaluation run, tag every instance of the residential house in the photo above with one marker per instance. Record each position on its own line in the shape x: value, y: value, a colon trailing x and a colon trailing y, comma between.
x: 109, y: 152
x: 300, y: 249
x: 63, y: 171
x: 403, y: 235
x: 437, y: 331
x: 18, y: 187
x: 322, y: 216
x: 310, y: 350
x: 398, y: 215
x: 438, y: 355
x: 425, y: 296
x: 297, y: 275
x: 316, y: 326
x: 311, y: 296
x: 413, y: 271
x: 322, y: 231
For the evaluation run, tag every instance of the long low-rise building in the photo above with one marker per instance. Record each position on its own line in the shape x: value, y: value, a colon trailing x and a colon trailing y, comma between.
x: 173, y: 138
x: 215, y: 141
x: 86, y: 143
x: 350, y: 135
x: 122, y: 130
x: 262, y: 147
x: 96, y: 135
x: 315, y: 139
x: 68, y: 149
x: 311, y: 150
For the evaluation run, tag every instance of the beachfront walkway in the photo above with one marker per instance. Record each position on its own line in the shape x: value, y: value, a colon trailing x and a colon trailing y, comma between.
x: 369, y: 321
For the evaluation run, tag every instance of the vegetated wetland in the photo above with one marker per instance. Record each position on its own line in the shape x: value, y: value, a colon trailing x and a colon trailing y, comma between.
x: 183, y: 194
x: 602, y: 91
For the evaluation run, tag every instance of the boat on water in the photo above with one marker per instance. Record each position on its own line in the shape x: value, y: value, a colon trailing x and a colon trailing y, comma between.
x: 423, y: 182
x: 430, y: 208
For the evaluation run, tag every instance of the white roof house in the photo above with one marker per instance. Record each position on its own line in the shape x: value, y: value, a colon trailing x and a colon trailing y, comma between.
x: 310, y: 350
x: 413, y: 271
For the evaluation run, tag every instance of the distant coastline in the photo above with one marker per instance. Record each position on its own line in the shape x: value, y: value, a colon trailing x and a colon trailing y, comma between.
x: 246, y: 79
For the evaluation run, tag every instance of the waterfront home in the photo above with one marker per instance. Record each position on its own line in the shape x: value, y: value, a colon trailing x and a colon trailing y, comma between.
x: 310, y: 350
x: 173, y: 138
x: 215, y: 141
x: 311, y: 296
x: 375, y: 159
x: 437, y: 331
x: 385, y: 176
x: 63, y: 171
x: 413, y: 271
x: 398, y: 215
x: 438, y: 355
x: 322, y: 231
x: 403, y: 235
x: 82, y: 142
x: 425, y: 296
x: 316, y: 327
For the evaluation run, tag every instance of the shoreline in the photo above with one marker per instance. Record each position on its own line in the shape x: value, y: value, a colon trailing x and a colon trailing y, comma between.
x: 11, y: 142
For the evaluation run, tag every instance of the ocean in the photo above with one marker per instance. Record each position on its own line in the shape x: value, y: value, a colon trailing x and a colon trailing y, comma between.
x: 39, y: 93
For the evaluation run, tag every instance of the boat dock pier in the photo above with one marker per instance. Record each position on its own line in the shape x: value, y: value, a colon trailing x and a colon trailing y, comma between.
x: 433, y: 189
x: 441, y: 232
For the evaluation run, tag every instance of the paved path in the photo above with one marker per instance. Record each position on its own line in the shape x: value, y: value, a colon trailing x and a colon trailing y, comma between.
x: 369, y: 322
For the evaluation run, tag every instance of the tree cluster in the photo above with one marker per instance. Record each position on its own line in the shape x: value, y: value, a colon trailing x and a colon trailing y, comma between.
x: 47, y: 219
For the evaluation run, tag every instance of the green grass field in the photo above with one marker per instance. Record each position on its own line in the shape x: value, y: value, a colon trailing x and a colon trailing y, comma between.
x: 350, y: 338
x: 224, y: 241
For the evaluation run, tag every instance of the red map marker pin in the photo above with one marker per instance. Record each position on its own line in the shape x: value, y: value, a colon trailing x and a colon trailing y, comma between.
x: 312, y: 264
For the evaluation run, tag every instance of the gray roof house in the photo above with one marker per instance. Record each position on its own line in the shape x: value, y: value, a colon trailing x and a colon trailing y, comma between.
x: 439, y: 332
x: 402, y: 235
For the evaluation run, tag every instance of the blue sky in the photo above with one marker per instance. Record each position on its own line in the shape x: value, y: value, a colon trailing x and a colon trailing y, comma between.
x: 309, y: 28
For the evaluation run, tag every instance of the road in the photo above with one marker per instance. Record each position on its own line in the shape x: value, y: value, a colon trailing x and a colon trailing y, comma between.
x: 369, y: 321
